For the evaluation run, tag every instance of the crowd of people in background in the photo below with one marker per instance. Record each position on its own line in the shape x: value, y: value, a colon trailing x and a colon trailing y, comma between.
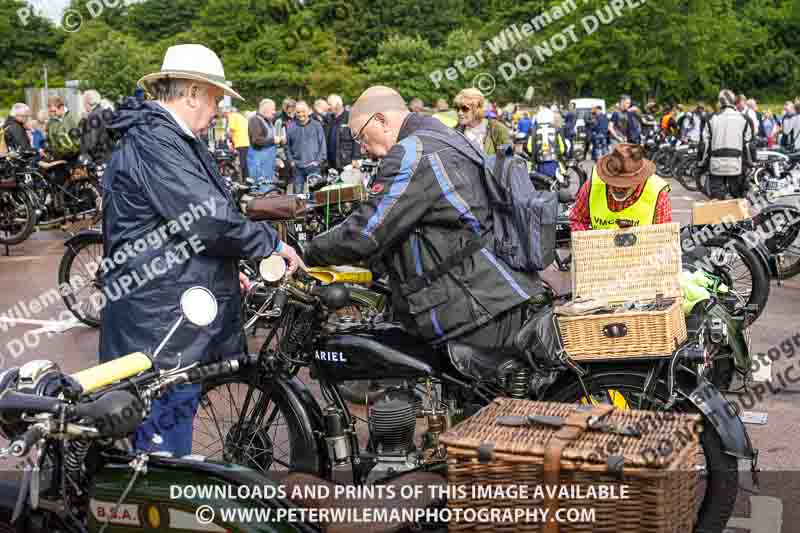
x: 288, y: 147
x: 59, y: 133
x: 277, y: 148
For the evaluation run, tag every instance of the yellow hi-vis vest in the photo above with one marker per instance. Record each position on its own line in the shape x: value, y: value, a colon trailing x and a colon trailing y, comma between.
x: 641, y: 213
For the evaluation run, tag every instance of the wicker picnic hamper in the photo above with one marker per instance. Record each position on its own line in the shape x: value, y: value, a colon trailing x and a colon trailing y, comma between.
x: 720, y: 211
x: 638, y: 264
x: 657, y: 469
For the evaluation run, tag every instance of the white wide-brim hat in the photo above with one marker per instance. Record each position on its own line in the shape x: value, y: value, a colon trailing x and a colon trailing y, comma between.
x: 190, y: 62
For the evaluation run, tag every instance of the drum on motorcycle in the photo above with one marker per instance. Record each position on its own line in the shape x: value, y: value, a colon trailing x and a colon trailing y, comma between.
x: 340, y: 193
x: 575, y: 461
x: 629, y: 272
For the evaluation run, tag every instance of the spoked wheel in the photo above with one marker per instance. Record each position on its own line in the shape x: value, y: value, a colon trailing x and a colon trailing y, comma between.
x: 784, y: 238
x: 718, y: 471
x: 245, y: 421
x: 742, y: 271
x: 79, y: 279
x: 17, y: 216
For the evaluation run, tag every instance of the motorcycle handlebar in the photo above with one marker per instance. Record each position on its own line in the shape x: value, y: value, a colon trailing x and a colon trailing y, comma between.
x: 18, y: 402
x: 217, y: 369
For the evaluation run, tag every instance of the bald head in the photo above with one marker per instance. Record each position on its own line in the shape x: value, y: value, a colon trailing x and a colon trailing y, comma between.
x: 377, y: 99
x: 383, y: 110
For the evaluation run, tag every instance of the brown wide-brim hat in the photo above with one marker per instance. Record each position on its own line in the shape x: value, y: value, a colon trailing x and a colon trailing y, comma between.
x: 625, y: 166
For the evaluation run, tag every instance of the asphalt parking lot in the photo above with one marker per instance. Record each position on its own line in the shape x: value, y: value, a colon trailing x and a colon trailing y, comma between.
x: 31, y: 270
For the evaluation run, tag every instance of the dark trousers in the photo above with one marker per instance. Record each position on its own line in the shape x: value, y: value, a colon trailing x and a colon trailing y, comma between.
x: 243, y: 161
x: 718, y: 186
x: 498, y: 334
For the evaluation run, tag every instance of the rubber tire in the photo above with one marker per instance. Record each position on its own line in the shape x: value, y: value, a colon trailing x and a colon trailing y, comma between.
x: 685, y: 176
x: 776, y: 245
x: 21, y: 194
x: 758, y: 273
x: 663, y: 167
x: 721, y: 488
x: 307, y: 442
x: 63, y: 277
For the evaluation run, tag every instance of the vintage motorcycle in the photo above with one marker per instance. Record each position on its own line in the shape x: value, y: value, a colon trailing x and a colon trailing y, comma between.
x: 64, y: 192
x: 17, y: 208
x: 316, y: 325
x: 81, y: 475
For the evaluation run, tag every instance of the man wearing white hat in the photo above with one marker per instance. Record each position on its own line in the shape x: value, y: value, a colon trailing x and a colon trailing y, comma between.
x: 160, y: 173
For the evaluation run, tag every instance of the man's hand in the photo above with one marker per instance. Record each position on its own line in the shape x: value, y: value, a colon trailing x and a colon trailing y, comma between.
x: 295, y: 262
x: 244, y: 282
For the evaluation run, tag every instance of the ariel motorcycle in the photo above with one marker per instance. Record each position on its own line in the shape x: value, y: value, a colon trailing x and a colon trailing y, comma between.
x: 79, y: 472
x: 318, y: 331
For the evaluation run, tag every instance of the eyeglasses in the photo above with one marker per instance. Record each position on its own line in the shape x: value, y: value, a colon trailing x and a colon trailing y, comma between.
x: 357, y: 138
x: 463, y: 108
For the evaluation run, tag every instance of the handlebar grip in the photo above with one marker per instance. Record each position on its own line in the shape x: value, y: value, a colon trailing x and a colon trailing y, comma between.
x: 22, y: 446
x: 217, y: 369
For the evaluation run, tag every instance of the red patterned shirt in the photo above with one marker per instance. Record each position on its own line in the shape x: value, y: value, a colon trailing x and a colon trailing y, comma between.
x: 579, y: 216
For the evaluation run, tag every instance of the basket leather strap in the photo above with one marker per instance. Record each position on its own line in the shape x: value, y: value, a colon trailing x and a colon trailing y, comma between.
x: 573, y: 428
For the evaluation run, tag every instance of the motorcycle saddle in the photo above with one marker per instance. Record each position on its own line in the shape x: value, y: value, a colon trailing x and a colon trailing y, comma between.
x: 44, y: 165
x: 477, y: 363
x: 426, y: 499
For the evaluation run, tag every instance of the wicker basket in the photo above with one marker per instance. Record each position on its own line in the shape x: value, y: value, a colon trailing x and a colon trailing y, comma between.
x: 657, y: 470
x: 720, y: 211
x: 618, y: 266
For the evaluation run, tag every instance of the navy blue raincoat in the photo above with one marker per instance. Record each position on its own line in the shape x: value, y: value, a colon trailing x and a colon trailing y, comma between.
x: 170, y: 223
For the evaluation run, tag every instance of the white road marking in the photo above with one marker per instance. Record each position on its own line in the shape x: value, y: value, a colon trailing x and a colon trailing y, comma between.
x: 48, y: 326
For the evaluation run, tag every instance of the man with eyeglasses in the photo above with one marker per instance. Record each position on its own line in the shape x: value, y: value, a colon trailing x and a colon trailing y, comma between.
x: 427, y: 208
x: 163, y: 181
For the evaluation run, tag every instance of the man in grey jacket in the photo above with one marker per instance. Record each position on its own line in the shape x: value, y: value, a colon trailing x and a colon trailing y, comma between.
x: 726, y: 148
x: 306, y: 146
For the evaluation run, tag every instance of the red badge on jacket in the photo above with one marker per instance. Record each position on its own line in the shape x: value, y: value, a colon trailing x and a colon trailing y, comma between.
x: 377, y: 188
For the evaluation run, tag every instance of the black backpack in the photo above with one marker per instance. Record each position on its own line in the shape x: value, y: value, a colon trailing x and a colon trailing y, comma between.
x: 524, y: 218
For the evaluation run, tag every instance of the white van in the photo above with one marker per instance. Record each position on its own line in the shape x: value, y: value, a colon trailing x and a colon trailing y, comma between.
x: 583, y: 108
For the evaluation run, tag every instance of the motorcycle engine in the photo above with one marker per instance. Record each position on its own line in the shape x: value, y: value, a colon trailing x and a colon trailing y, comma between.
x: 392, y: 421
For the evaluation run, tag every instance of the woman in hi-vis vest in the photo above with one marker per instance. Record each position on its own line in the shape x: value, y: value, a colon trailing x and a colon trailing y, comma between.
x: 624, y: 191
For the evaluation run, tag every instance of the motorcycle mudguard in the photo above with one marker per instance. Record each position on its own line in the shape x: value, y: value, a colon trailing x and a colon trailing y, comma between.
x: 705, y: 398
x: 85, y: 235
x: 307, y: 410
x: 717, y: 410
x: 793, y: 212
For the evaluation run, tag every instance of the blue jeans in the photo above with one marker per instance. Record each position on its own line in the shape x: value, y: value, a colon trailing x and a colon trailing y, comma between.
x: 300, y: 176
x: 599, y: 147
x: 261, y: 167
x: 171, y: 417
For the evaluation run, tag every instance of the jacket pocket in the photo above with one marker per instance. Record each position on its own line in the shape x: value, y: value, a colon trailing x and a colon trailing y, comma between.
x: 426, y: 299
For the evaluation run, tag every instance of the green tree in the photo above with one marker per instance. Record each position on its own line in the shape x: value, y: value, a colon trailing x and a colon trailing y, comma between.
x: 115, y: 68
x: 28, y: 42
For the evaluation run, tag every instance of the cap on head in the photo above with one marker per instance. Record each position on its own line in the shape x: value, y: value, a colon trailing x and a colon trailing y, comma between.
x: 727, y: 98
